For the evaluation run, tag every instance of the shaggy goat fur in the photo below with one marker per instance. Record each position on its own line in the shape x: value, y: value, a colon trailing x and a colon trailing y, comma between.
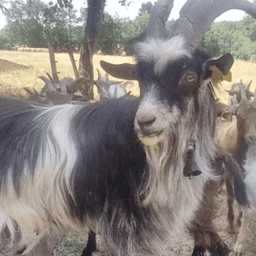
x: 117, y: 167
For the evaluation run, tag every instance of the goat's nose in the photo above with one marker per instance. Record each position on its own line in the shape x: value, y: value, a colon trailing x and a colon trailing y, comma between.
x: 145, y: 119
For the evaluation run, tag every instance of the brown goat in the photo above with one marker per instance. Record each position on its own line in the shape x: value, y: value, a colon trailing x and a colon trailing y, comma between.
x: 239, y: 138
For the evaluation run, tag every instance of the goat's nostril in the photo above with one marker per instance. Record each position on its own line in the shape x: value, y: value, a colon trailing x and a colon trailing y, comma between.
x: 146, y: 119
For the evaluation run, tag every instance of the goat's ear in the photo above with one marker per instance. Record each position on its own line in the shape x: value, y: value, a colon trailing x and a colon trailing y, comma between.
x: 224, y: 63
x: 219, y: 69
x: 125, y: 71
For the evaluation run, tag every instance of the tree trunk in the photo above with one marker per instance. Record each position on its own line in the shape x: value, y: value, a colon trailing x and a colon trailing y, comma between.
x: 94, y: 24
x: 72, y: 59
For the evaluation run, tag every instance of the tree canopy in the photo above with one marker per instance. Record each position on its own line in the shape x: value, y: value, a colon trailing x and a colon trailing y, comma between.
x: 29, y: 22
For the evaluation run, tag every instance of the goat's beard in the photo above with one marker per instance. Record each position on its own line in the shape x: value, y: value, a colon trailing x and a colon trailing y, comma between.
x: 160, y: 156
x: 166, y: 161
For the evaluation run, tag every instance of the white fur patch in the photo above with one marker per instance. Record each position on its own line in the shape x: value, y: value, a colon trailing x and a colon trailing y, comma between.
x: 42, y: 203
x: 162, y: 52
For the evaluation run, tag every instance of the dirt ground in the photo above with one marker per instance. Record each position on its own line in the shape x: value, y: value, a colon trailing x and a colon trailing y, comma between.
x: 182, y: 246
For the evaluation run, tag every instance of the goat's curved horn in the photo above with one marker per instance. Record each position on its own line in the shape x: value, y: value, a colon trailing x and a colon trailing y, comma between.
x: 196, y: 17
x: 243, y: 92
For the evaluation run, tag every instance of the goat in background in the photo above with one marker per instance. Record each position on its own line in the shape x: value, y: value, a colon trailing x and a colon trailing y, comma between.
x: 108, y: 89
x: 242, y: 130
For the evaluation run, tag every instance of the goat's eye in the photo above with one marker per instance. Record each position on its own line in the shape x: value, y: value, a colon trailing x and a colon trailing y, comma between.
x: 191, y: 78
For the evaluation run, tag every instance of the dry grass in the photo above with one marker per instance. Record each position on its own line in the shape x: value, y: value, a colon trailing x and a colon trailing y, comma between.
x: 13, y: 79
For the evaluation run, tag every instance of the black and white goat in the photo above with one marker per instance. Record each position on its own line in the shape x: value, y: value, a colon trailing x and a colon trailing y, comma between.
x: 239, y: 138
x: 119, y: 167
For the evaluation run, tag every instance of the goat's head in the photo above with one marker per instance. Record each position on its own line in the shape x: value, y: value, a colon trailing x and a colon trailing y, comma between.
x: 171, y: 74
x: 245, y: 111
x: 177, y: 106
x: 108, y: 89
x: 235, y: 92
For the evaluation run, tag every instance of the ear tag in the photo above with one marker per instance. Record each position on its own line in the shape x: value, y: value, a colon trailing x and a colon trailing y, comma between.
x: 228, y: 77
x: 217, y: 75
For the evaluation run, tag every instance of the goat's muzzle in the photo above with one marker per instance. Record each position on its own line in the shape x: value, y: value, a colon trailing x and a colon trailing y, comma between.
x: 147, y: 128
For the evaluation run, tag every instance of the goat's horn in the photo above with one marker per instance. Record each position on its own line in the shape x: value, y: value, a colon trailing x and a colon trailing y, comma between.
x: 50, y: 77
x: 243, y: 92
x: 156, y: 24
x: 99, y: 74
x: 197, y: 16
x: 28, y: 90
x: 232, y: 92
x: 36, y: 92
x: 49, y: 86
x: 249, y: 85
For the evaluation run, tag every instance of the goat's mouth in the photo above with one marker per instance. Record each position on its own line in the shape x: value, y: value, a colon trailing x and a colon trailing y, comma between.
x: 149, y: 138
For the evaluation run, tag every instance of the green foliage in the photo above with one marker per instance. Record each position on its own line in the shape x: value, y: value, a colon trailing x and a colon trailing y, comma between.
x: 6, y: 38
x: 110, y: 34
x: 237, y: 38
x: 30, y: 21
x: 25, y: 22
x: 145, y: 8
x: 60, y: 24
x: 130, y: 30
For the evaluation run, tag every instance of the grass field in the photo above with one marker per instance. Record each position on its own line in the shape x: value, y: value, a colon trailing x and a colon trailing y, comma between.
x: 31, y: 65
x: 20, y: 69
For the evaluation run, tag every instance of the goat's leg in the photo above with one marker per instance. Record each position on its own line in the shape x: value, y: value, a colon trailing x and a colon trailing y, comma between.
x: 91, y: 245
x: 239, y: 218
x: 205, y: 236
x: 217, y: 247
x: 209, y: 240
x: 230, y: 200
x: 238, y: 248
x: 198, y: 251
